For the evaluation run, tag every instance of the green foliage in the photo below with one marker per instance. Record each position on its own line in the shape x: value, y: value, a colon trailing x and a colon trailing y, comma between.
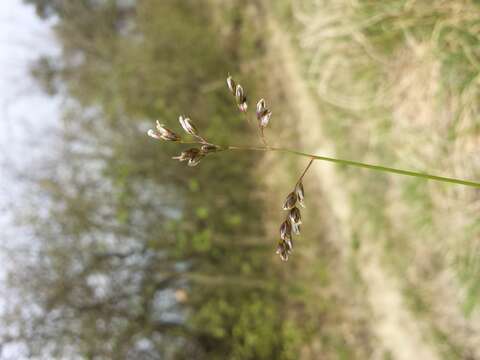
x: 143, y: 220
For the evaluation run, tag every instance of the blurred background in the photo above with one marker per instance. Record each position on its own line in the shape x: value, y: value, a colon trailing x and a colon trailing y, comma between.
x: 111, y: 250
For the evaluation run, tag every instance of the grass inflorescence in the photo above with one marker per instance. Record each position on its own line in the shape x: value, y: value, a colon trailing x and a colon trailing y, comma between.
x: 291, y: 225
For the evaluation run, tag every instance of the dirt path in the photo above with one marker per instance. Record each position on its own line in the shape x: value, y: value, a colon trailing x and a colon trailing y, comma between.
x: 396, y: 328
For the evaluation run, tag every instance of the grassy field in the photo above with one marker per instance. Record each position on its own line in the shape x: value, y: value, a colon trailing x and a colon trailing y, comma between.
x: 397, y: 83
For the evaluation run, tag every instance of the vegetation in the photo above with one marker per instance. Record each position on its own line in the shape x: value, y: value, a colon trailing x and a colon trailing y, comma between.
x: 396, y: 84
x: 136, y: 256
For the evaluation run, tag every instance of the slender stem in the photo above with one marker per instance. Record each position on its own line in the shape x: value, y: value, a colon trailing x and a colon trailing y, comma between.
x: 202, y: 140
x: 362, y: 165
x: 260, y: 130
x: 188, y: 142
x: 305, y: 171
x: 245, y: 115
x: 262, y: 136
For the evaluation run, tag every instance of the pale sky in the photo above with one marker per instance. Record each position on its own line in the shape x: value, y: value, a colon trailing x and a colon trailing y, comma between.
x: 27, y: 117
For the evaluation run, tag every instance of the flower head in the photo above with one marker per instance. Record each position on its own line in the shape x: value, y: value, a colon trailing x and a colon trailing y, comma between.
x: 282, y: 250
x: 261, y: 105
x: 241, y: 98
x: 286, y: 230
x: 265, y: 118
x: 163, y: 133
x: 231, y: 84
x: 195, y: 160
x: 295, y: 216
x: 291, y: 225
x: 208, y: 148
x: 300, y: 193
x: 263, y: 114
x: 296, y: 229
x: 154, y: 134
x: 289, y: 245
x: 193, y: 156
x: 290, y: 201
x: 187, y: 125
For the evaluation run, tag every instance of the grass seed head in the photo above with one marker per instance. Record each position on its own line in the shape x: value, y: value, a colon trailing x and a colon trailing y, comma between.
x: 208, y: 148
x: 263, y: 114
x: 231, y: 84
x: 163, y: 133
x: 295, y: 216
x: 241, y: 98
x: 261, y: 106
x: 286, y: 230
x: 296, y: 229
x: 289, y: 245
x: 300, y: 193
x: 282, y: 250
x: 264, y: 118
x: 195, y: 160
x: 290, y: 201
x: 187, y: 154
x: 187, y: 125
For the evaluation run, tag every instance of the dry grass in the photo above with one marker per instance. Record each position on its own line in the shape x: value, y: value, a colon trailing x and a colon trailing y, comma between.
x: 394, y: 83
x: 398, y: 83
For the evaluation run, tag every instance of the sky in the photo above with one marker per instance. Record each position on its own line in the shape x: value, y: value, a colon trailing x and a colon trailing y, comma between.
x: 27, y: 116
x: 28, y: 119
